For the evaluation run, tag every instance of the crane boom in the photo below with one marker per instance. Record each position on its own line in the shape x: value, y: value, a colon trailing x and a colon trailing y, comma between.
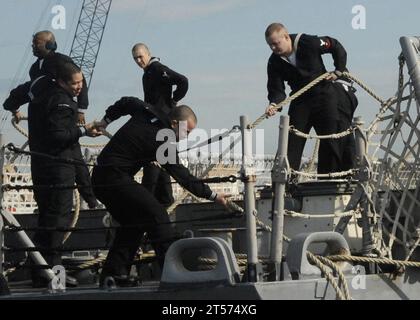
x: 88, y: 36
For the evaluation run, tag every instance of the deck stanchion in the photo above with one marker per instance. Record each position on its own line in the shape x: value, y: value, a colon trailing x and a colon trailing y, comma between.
x: 411, y: 47
x: 248, y: 174
x: 1, y: 201
x: 279, y: 176
x: 364, y: 176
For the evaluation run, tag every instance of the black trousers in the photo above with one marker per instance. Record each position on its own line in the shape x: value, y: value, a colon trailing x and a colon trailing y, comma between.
x: 54, y: 205
x: 133, y: 207
x: 318, y: 110
x: 83, y: 179
x: 158, y: 182
x: 347, y: 104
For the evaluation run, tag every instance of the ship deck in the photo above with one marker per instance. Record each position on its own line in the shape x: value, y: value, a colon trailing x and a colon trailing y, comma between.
x: 371, y: 287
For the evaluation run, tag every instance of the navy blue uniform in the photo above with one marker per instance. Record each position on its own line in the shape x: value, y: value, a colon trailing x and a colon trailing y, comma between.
x: 347, y: 104
x: 48, y: 66
x: 158, y: 82
x: 316, y: 108
x: 60, y: 135
x: 131, y: 203
x: 34, y: 91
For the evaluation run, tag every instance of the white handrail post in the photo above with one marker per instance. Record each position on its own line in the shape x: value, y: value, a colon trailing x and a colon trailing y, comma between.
x: 279, y: 176
x: 249, y: 177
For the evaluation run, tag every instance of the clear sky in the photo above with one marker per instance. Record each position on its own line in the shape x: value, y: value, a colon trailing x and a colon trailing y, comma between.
x: 218, y: 44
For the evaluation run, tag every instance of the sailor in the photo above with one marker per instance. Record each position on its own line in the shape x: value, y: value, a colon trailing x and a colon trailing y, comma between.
x: 297, y: 59
x: 41, y: 72
x: 60, y: 134
x: 158, y: 82
x: 131, y: 203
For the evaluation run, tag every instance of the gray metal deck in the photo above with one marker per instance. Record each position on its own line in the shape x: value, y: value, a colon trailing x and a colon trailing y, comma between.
x: 377, y: 287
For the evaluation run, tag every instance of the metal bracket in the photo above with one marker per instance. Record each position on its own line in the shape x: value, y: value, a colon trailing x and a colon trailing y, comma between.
x: 351, y: 205
x: 365, y: 171
x: 280, y: 172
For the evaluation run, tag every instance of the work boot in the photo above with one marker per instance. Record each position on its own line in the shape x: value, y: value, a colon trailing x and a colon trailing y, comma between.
x: 122, y: 281
x: 71, y: 282
x: 4, y: 288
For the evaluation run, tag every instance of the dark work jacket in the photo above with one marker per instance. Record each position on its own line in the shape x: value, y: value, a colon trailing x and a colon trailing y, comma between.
x: 309, y: 66
x: 61, y: 133
x: 49, y: 67
x: 40, y: 92
x: 40, y: 74
x: 49, y: 117
x: 158, y: 80
x: 135, y: 144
